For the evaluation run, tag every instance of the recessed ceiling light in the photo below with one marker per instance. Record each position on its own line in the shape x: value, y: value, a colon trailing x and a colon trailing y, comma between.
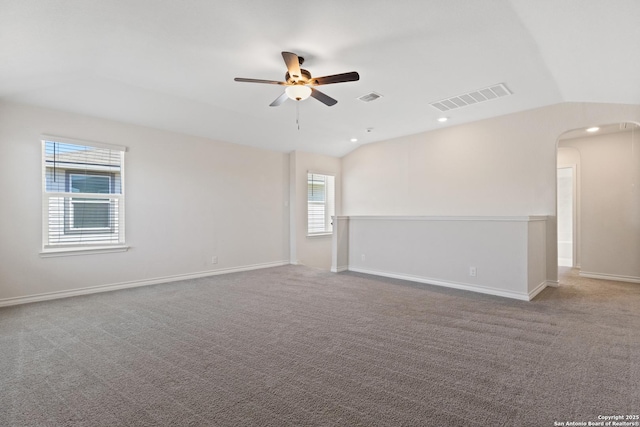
x: 443, y: 119
x: 593, y: 129
x: 354, y: 139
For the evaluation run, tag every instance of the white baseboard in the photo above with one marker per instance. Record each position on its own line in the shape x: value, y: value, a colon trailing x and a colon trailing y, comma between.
x: 541, y: 287
x: 448, y: 284
x: 552, y: 283
x: 339, y: 269
x: 605, y: 276
x: 134, y: 284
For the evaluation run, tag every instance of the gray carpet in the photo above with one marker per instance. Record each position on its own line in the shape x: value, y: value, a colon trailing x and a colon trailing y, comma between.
x: 295, y: 346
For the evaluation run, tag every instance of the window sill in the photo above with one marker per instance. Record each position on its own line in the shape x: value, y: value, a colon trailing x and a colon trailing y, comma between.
x: 57, y: 252
x: 320, y: 234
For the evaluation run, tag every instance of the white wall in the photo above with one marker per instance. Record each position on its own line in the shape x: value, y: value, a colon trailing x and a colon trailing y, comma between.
x: 191, y: 198
x: 507, y: 254
x: 505, y: 166
x: 187, y: 199
x: 609, y: 191
x: 312, y: 251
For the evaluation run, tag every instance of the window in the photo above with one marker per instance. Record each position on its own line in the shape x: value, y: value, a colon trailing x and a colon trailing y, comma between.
x: 89, y: 214
x: 82, y: 199
x: 320, y: 203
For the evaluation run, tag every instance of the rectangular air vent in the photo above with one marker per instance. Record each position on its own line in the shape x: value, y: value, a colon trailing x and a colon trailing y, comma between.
x: 474, y: 97
x: 370, y: 97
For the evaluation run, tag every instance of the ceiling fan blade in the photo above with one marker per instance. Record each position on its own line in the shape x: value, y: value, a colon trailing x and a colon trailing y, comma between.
x: 325, y: 99
x: 336, y: 78
x: 293, y: 64
x: 271, y: 82
x: 279, y: 100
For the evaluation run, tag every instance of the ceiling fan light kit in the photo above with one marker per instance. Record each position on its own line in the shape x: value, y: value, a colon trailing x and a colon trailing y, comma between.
x: 298, y: 92
x: 299, y: 83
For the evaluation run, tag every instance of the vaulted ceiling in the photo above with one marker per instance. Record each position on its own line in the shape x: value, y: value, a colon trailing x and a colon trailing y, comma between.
x: 170, y: 64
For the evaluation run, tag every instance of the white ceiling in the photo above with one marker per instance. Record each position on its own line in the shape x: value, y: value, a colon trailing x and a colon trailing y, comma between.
x: 170, y: 64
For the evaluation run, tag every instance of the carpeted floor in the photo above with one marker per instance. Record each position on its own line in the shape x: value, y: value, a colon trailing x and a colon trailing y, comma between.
x: 295, y: 346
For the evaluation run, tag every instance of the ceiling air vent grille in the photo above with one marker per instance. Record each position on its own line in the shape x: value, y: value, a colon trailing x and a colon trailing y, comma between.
x: 370, y: 97
x: 473, y: 97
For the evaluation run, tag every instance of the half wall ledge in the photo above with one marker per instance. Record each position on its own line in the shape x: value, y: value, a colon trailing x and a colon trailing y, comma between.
x: 498, y: 255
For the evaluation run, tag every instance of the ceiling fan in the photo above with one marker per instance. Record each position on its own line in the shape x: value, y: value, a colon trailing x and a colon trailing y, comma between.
x: 299, y: 83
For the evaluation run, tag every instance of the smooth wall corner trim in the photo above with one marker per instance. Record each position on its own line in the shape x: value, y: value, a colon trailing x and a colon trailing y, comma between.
x: 134, y: 284
x: 605, y: 276
x: 446, y: 284
x: 541, y: 287
x: 552, y: 283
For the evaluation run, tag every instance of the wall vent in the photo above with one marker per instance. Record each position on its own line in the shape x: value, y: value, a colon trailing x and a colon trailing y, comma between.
x: 370, y: 97
x: 473, y: 97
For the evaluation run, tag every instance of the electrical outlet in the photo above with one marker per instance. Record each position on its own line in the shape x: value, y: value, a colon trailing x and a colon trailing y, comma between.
x: 363, y: 257
x: 214, y: 259
x: 472, y: 271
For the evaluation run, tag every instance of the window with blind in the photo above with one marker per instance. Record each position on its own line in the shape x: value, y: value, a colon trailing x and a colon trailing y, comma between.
x: 82, y: 198
x: 320, y: 203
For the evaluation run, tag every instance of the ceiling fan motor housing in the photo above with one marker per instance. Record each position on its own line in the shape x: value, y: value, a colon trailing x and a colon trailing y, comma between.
x: 303, y: 79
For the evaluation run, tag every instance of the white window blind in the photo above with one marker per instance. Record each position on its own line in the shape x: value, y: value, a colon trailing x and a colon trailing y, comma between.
x: 320, y: 203
x: 82, y: 197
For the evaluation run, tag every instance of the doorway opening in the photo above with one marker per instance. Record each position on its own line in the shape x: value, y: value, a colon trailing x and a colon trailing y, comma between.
x: 566, y: 215
x: 598, y: 202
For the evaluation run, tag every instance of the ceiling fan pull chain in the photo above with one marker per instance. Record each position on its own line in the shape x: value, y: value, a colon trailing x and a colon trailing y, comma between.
x: 298, y: 114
